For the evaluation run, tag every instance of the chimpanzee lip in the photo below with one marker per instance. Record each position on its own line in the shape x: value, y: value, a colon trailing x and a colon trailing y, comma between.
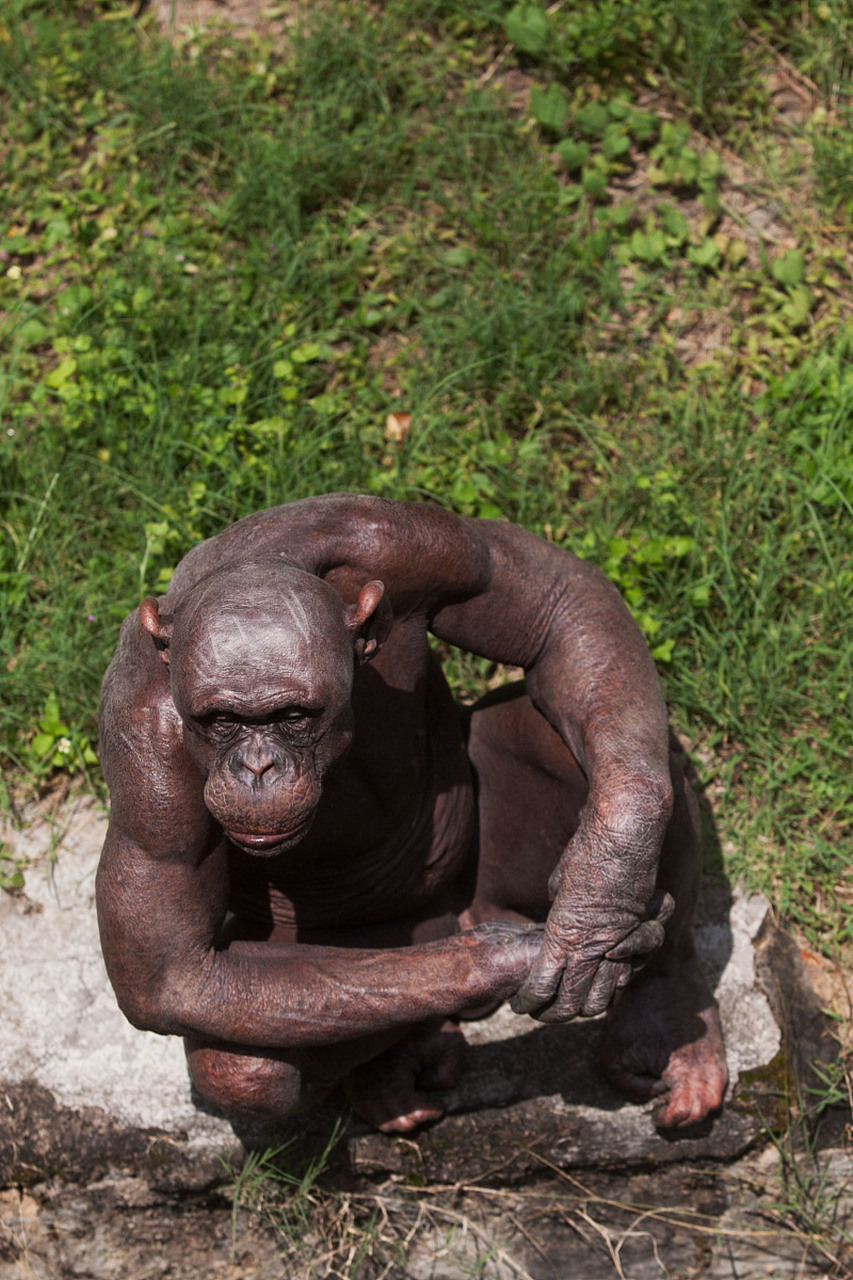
x: 264, y: 839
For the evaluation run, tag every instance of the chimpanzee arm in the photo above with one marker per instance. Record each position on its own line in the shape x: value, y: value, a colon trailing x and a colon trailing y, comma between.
x: 159, y: 921
x: 590, y: 673
x: 162, y: 893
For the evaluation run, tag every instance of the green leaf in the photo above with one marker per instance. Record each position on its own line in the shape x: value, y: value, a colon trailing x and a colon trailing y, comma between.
x: 573, y: 154
x: 615, y: 144
x: 592, y: 119
x: 799, y: 305
x: 31, y: 333
x: 594, y: 183
x: 643, y: 124
x: 736, y: 252
x: 674, y: 223
x: 50, y: 716
x: 42, y: 743
x: 526, y: 27
x: 706, y: 254
x: 648, y: 246
x: 550, y: 107
x: 12, y: 881
x: 307, y: 352
x: 789, y: 268
x: 73, y: 299
x: 459, y: 256
x: 652, y: 551
x: 57, y: 230
x: 58, y: 377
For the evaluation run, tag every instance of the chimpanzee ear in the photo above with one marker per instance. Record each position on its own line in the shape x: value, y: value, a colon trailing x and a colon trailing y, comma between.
x: 369, y: 621
x: 157, y: 626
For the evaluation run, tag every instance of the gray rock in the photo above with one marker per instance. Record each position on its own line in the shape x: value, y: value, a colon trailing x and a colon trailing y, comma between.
x: 82, y: 1092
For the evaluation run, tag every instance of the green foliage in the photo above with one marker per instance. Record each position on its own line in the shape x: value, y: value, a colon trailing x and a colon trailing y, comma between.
x: 832, y: 142
x: 12, y: 868
x: 286, y: 1188
x: 231, y: 277
x: 550, y: 107
x: 56, y: 746
x: 527, y: 27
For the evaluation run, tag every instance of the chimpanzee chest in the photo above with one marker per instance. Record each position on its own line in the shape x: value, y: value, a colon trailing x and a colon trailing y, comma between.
x: 394, y: 827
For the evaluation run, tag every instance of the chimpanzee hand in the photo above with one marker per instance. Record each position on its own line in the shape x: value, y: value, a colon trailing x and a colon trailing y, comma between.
x: 505, y: 953
x: 605, y: 919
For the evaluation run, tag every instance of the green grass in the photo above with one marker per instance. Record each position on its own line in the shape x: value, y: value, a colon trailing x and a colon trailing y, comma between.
x: 225, y: 265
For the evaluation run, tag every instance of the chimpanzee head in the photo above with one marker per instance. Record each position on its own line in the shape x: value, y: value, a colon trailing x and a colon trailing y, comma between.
x: 261, y: 658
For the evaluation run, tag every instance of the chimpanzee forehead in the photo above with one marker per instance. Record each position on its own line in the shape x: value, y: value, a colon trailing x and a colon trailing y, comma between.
x: 256, y: 640
x: 251, y: 654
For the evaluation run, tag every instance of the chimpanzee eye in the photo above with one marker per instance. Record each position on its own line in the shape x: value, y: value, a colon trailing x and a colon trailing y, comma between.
x: 294, y: 715
x: 217, y: 721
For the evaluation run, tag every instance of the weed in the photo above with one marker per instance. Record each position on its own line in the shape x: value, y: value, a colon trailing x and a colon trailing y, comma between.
x: 224, y: 270
x: 319, y: 1228
x: 12, y: 868
x: 813, y: 1196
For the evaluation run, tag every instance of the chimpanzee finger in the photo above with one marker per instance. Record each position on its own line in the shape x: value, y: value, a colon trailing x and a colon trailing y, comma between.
x: 603, y: 988
x: 639, y: 942
x: 569, y: 998
x: 587, y: 995
x: 661, y: 906
x: 543, y: 981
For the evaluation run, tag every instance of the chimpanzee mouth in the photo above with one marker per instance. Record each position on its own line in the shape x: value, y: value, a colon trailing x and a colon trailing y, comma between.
x: 267, y: 841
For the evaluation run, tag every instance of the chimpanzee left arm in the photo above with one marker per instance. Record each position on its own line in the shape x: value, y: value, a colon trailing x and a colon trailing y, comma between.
x: 590, y: 673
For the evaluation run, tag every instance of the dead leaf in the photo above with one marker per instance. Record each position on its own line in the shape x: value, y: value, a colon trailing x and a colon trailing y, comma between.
x: 396, y: 426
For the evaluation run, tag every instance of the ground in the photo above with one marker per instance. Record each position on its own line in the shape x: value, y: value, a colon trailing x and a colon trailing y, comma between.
x: 538, y: 1169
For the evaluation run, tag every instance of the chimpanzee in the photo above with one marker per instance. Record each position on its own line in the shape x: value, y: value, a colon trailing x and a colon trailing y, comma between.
x: 317, y: 862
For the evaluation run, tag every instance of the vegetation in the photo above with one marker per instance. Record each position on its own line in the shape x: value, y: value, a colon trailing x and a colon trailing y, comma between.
x: 587, y: 268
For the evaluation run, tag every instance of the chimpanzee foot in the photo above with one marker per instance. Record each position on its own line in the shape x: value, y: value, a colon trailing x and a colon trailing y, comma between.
x: 664, y: 1037
x: 384, y: 1091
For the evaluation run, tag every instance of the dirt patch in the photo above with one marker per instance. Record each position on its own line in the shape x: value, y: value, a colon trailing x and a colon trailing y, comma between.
x: 244, y: 18
x: 712, y: 1222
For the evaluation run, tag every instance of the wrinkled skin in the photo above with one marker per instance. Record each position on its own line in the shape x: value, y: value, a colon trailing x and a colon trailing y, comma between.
x: 300, y: 875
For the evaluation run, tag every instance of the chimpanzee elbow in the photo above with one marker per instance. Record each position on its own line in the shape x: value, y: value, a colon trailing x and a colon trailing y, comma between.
x: 153, y: 1010
x: 658, y: 786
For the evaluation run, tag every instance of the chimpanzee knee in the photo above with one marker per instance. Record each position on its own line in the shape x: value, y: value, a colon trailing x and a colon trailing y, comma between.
x: 246, y: 1085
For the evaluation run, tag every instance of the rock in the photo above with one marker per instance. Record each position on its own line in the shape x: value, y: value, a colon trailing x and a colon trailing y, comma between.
x: 83, y: 1094
x: 81, y: 1091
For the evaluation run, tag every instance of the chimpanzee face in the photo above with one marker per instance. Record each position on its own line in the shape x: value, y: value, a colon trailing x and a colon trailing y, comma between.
x: 261, y: 675
x: 265, y: 740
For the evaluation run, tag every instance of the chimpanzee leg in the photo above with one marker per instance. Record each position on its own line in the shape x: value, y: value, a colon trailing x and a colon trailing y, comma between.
x: 663, y: 1034
x: 381, y: 1075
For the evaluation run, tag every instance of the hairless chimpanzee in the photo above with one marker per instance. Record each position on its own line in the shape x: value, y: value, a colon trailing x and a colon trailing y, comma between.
x: 317, y: 862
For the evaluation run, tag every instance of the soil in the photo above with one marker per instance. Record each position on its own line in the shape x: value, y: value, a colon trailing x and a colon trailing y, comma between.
x: 716, y: 1222
x: 178, y: 19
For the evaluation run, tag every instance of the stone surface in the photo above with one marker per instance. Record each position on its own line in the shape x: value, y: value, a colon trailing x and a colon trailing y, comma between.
x: 715, y: 1222
x: 83, y: 1093
x: 80, y: 1089
x: 539, y: 1169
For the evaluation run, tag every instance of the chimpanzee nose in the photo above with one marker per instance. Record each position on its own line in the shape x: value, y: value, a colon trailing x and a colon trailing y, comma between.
x: 258, y: 760
x: 258, y: 767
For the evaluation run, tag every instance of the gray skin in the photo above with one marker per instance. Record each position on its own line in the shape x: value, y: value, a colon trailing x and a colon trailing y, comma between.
x: 300, y: 876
